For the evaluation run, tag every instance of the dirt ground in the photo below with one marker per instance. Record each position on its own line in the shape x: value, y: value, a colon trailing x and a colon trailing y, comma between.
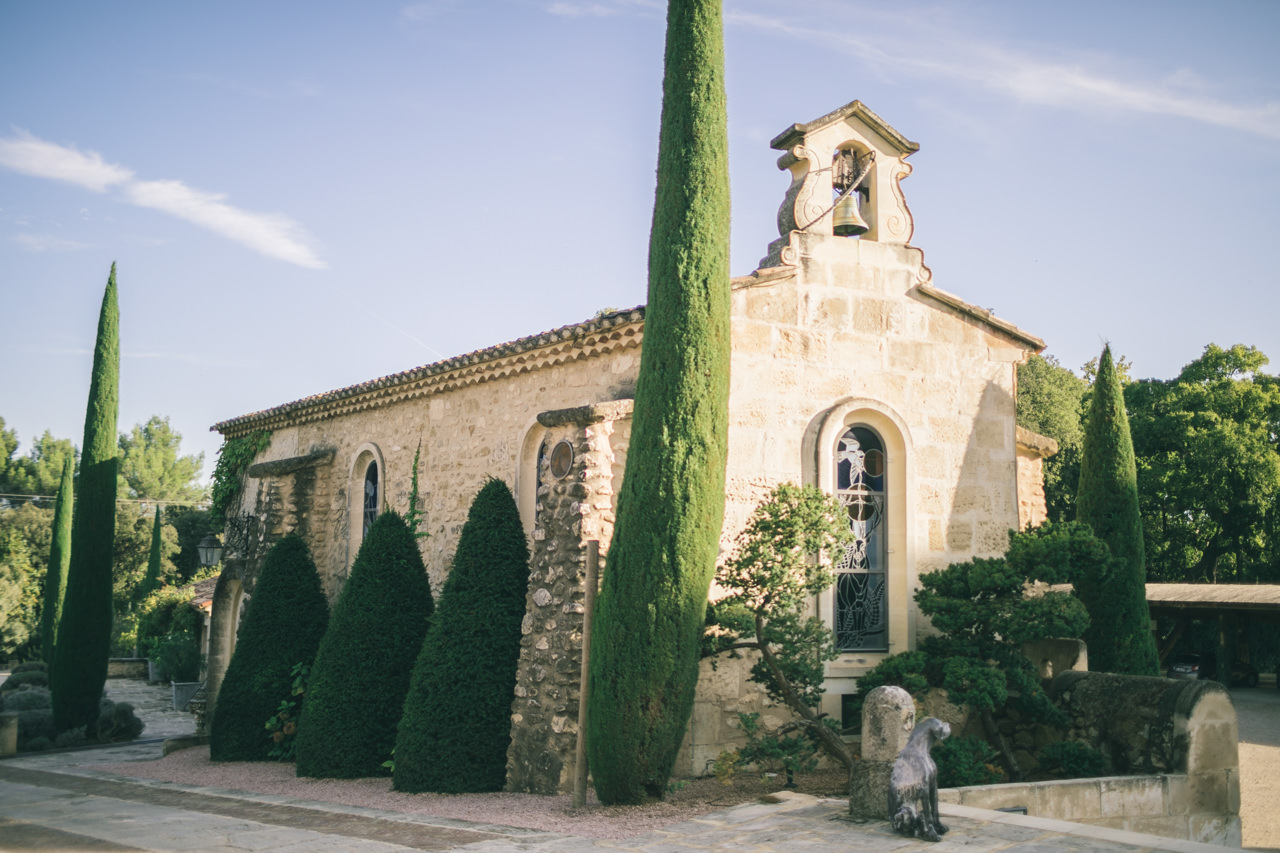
x: 1258, y: 713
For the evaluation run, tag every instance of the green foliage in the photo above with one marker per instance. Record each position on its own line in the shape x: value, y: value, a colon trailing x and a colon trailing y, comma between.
x: 415, y: 518
x: 1051, y: 403
x: 168, y: 633
x: 132, y: 549
x: 1208, y: 458
x: 27, y: 678
x: 456, y: 727
x: 38, y: 472
x: 234, y: 458
x: 282, y: 726
x: 19, y: 603
x: 779, y: 561
x: 151, y: 581
x: 190, y: 525
x: 152, y: 468
x: 787, y: 750
x: 964, y: 761
x: 645, y: 641
x: 362, y: 669
x: 281, y: 631
x: 1119, y: 638
x: 1068, y: 759
x: 55, y: 585
x: 80, y: 654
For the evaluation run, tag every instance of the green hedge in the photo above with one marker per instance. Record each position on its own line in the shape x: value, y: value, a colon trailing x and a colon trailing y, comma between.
x: 361, y: 674
x: 283, y: 626
x: 456, y: 726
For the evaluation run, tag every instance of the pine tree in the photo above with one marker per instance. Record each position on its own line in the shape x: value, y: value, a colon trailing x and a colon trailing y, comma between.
x: 84, y: 635
x: 644, y: 654
x: 1119, y: 637
x: 361, y: 675
x: 282, y: 628
x: 55, y: 579
x: 151, y: 580
x: 456, y: 727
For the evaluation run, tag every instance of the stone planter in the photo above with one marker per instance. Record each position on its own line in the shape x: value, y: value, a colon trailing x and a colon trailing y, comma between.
x: 183, y: 691
x: 8, y: 733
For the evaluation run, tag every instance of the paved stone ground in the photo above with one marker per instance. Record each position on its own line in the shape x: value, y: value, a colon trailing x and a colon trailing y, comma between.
x: 52, y: 802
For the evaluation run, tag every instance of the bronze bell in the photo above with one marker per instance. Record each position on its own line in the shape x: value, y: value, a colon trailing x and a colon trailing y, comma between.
x: 847, y: 221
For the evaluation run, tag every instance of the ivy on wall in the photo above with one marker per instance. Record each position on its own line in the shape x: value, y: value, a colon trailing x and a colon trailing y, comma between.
x: 234, y: 458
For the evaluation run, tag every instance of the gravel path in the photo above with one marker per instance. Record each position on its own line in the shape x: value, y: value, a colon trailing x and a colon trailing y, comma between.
x: 552, y: 814
x: 1258, y: 715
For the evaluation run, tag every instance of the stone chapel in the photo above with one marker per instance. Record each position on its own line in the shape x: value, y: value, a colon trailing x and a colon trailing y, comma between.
x: 851, y: 371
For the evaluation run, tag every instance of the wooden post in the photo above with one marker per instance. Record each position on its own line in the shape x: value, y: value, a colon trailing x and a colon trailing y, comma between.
x: 591, y: 583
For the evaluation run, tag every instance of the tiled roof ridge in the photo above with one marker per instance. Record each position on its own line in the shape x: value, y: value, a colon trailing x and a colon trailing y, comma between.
x: 613, y: 319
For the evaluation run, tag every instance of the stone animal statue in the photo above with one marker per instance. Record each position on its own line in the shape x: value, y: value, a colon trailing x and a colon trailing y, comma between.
x: 913, y: 783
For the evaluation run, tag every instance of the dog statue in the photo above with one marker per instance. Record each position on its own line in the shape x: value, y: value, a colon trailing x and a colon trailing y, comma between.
x: 913, y: 783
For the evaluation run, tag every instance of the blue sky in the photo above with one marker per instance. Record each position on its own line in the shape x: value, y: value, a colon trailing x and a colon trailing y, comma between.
x: 301, y: 196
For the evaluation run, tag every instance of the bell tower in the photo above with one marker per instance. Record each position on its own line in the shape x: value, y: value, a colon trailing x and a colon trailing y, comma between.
x: 845, y: 172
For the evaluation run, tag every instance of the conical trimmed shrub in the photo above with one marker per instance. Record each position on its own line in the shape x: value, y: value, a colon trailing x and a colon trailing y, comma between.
x: 151, y: 580
x: 55, y: 579
x: 362, y: 670
x: 283, y: 626
x: 1119, y: 635
x: 649, y: 619
x: 79, y: 668
x: 456, y: 726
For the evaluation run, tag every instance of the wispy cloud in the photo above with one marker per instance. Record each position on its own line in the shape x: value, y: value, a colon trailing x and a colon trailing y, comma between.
x: 48, y: 243
x: 31, y: 156
x: 272, y: 234
x: 1083, y: 83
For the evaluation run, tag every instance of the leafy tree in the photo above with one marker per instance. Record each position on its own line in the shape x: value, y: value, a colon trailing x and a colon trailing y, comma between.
x: 19, y: 619
x: 80, y: 655
x: 8, y: 447
x: 362, y: 669
x: 152, y: 468
x: 770, y: 578
x: 55, y: 585
x: 282, y: 628
x: 131, y: 556
x: 1050, y: 402
x: 456, y: 727
x: 168, y: 631
x: 985, y: 615
x: 39, y: 472
x: 191, y: 525
x: 1119, y: 638
x: 1208, y: 460
x: 644, y: 656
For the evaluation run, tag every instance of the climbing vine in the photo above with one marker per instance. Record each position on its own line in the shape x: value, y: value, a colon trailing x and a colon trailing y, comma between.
x: 234, y: 458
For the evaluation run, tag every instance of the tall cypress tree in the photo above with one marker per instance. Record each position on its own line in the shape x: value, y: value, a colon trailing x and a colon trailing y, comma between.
x: 151, y: 580
x: 1119, y: 636
x: 456, y: 727
x: 644, y: 653
x: 84, y: 635
x: 362, y: 669
x: 55, y: 579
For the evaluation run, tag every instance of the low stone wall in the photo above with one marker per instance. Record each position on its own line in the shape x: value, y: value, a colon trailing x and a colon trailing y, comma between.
x: 127, y: 668
x: 1203, y: 807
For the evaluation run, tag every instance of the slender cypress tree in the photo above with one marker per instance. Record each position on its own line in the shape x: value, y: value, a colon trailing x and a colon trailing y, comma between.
x: 55, y: 579
x: 151, y: 581
x: 456, y: 727
x: 1119, y: 636
x: 362, y: 669
x: 84, y: 634
x: 644, y: 653
x: 282, y: 628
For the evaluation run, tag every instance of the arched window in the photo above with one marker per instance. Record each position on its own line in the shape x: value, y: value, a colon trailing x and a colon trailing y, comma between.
x: 861, y: 591
x: 370, y: 497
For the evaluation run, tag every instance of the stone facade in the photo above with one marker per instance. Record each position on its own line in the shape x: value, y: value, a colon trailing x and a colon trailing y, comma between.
x: 829, y: 333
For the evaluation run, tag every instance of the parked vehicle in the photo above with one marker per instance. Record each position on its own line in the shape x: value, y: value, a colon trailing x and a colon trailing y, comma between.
x: 1190, y: 665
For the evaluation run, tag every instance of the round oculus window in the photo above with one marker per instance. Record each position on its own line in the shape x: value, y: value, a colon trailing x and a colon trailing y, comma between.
x: 561, y: 459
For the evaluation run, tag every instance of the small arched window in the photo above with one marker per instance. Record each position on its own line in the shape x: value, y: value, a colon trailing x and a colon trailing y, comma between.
x: 370, y: 496
x: 861, y: 594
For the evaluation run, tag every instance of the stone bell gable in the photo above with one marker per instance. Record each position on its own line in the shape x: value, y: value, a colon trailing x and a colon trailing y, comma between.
x: 850, y: 370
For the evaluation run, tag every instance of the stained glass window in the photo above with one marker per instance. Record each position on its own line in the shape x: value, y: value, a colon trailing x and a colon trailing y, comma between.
x: 861, y: 596
x: 370, y: 496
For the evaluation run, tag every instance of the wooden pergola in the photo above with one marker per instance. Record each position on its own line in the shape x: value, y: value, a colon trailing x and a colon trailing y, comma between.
x: 1233, y: 606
